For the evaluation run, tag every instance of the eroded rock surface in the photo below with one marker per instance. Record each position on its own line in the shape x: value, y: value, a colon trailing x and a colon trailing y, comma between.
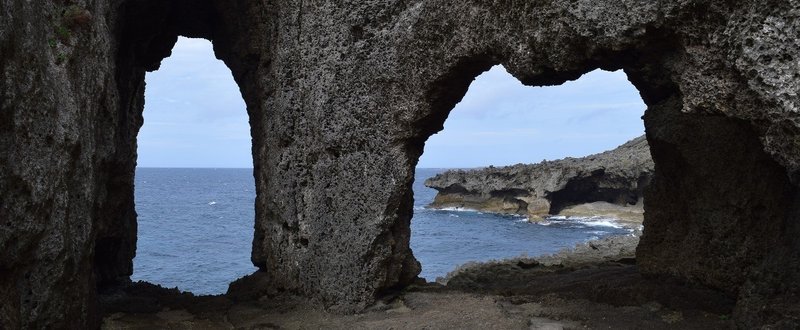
x: 593, y: 286
x: 341, y: 98
x: 617, y: 176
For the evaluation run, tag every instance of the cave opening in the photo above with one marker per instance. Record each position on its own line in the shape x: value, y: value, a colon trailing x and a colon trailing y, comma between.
x: 527, y: 171
x: 194, y: 185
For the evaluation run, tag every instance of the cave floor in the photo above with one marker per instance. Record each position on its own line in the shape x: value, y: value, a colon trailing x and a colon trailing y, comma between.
x: 607, y: 295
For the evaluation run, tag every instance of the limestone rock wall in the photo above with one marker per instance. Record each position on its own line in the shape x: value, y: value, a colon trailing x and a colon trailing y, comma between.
x: 341, y: 98
x: 59, y: 113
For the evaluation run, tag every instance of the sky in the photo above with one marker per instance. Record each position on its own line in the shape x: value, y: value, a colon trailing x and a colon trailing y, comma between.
x: 194, y: 116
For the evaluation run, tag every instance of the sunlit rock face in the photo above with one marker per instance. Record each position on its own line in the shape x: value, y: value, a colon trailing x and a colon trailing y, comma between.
x: 342, y: 97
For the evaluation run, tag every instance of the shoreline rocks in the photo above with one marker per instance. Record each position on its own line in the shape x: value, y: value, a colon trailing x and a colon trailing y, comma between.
x: 592, y: 252
x: 607, y: 183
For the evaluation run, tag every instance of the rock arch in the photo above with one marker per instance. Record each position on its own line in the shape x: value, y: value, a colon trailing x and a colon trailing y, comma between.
x: 147, y: 34
x: 341, y: 98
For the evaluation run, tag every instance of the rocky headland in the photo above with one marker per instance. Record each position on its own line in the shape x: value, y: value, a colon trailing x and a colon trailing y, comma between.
x: 341, y: 99
x: 610, y: 183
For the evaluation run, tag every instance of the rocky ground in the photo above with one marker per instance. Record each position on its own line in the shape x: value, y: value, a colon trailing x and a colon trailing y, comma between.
x: 594, y: 286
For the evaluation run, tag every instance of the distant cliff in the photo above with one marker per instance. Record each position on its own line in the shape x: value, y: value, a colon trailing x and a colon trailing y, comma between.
x: 617, y: 176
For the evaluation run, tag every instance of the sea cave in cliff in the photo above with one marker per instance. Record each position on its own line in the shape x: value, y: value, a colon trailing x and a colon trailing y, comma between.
x: 523, y: 171
x: 341, y: 99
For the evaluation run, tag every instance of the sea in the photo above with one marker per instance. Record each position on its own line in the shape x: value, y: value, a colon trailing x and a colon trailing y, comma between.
x: 196, y: 229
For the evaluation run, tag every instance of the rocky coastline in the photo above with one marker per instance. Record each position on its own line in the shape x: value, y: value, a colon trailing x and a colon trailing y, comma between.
x: 610, y: 184
x: 342, y: 98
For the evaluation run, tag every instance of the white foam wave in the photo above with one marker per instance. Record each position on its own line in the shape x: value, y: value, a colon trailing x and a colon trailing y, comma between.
x: 584, y: 221
x: 458, y: 209
x: 446, y: 209
x: 601, y: 223
x: 212, y: 203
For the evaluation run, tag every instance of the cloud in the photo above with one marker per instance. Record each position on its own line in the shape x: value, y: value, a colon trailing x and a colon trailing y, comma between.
x: 194, y: 113
x: 195, y: 117
x: 502, y: 122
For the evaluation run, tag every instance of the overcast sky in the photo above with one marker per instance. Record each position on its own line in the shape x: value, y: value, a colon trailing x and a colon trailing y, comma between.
x: 195, y: 117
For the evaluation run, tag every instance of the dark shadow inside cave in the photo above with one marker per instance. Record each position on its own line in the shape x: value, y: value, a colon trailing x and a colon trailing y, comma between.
x: 500, y: 206
x: 194, y: 185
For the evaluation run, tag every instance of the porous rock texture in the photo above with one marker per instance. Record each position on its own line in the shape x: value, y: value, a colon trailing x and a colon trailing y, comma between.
x: 341, y: 98
x: 617, y: 176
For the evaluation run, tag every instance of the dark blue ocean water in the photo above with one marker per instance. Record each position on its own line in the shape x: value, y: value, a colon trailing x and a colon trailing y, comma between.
x: 196, y: 230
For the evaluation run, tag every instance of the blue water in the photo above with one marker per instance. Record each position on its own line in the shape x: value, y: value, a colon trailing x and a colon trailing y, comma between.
x: 196, y: 230
x: 444, y: 239
x: 195, y: 227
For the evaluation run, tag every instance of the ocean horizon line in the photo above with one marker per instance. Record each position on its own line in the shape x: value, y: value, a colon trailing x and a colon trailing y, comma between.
x: 250, y: 168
